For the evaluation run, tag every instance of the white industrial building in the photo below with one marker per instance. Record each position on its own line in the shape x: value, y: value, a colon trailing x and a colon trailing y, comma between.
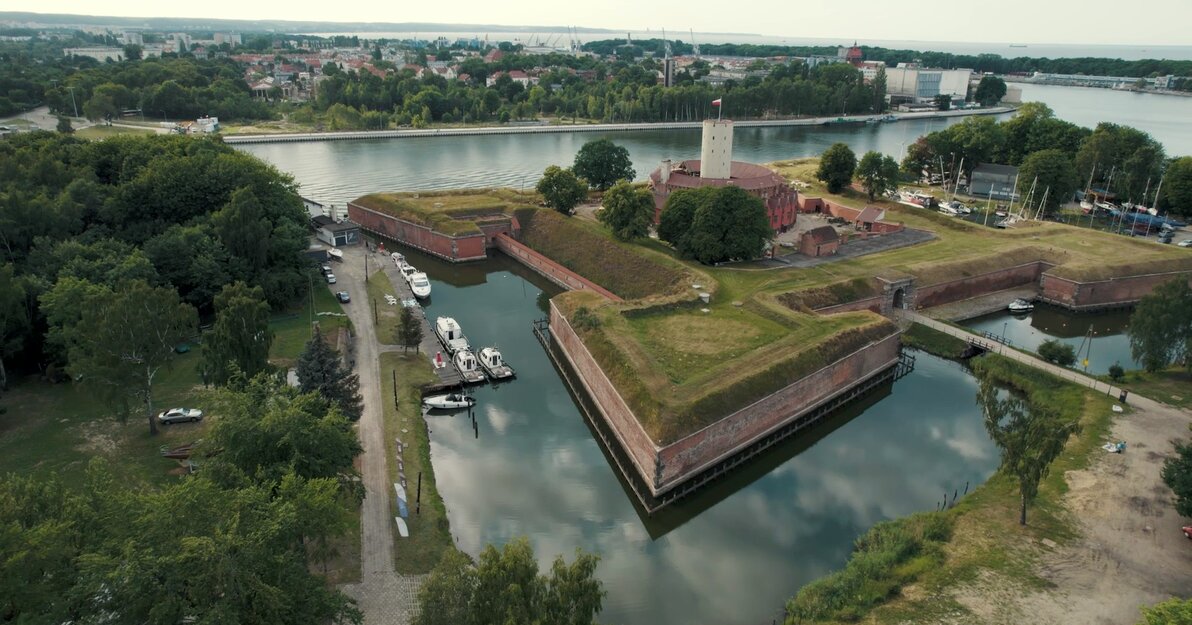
x: 907, y: 83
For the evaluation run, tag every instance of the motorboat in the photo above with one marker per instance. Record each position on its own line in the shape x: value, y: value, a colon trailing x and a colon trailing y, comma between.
x: 399, y: 259
x: 407, y: 270
x: 1020, y: 306
x: 468, y: 367
x: 450, y: 401
x: 335, y: 253
x: 1086, y: 206
x: 451, y: 335
x: 420, y: 285
x: 948, y: 210
x: 494, y: 365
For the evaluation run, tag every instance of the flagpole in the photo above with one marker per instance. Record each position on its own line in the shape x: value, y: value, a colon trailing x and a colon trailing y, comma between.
x: 720, y: 109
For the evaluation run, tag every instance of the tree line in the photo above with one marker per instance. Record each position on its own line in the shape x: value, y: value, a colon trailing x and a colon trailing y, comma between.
x: 1062, y: 156
x: 993, y: 63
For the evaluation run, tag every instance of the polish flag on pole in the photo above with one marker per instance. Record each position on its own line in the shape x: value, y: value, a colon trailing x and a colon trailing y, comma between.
x: 716, y: 102
x: 719, y: 109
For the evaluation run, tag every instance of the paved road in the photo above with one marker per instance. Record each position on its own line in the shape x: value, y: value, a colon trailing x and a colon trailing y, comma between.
x: 385, y: 597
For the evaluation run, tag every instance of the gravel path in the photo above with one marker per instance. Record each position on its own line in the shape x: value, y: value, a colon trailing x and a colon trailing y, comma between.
x: 385, y: 597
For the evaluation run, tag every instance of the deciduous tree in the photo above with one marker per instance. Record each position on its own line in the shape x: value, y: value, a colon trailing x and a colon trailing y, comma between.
x: 126, y: 337
x: 730, y: 224
x: 990, y: 90
x: 1177, y: 474
x: 1057, y: 352
x: 505, y: 586
x: 627, y: 211
x: 1161, y: 326
x: 561, y: 190
x: 14, y: 318
x: 603, y: 163
x: 240, y: 335
x: 878, y: 174
x: 1053, y: 174
x: 1029, y: 437
x: 409, y: 329
x: 836, y: 167
x: 1177, y: 187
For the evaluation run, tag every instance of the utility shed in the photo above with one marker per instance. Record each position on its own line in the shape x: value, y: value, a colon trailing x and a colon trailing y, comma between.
x: 821, y: 241
x: 335, y: 234
x: 996, y: 181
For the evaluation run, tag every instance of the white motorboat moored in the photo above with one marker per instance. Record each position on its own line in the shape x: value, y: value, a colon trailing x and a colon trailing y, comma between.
x: 450, y: 401
x: 398, y: 258
x: 468, y: 367
x: 494, y: 365
x: 451, y: 335
x: 1021, y: 306
x: 407, y: 270
x: 420, y: 285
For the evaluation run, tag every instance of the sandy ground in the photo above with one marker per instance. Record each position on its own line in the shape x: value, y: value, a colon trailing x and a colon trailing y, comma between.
x: 1132, y: 552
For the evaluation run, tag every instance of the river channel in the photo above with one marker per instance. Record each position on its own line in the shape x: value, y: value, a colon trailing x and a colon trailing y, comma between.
x: 530, y: 465
x: 735, y: 552
x: 1101, y: 339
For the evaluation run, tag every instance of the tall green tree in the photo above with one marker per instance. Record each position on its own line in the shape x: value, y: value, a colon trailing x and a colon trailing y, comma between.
x: 1053, y: 174
x: 730, y: 224
x: 125, y: 338
x: 627, y: 211
x: 240, y: 335
x: 674, y: 223
x: 409, y: 329
x: 836, y: 167
x: 1029, y: 437
x: 64, y: 126
x: 505, y: 586
x: 1177, y: 474
x: 1161, y: 326
x: 561, y: 190
x: 244, y: 229
x: 603, y: 163
x: 990, y: 90
x: 321, y: 370
x: 14, y: 318
x: 878, y: 174
x: 1177, y: 187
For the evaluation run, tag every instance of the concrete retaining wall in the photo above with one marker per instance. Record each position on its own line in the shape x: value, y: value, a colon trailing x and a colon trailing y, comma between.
x: 686, y: 457
x: 548, y: 268
x: 452, y: 248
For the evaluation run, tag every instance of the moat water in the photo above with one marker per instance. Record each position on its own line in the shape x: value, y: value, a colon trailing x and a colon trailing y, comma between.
x: 529, y: 465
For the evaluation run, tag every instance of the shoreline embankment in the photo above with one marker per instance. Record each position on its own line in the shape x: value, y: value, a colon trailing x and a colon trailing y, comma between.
x: 539, y: 129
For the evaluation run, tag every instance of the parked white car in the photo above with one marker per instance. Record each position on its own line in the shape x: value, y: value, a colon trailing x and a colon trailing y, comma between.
x: 179, y: 415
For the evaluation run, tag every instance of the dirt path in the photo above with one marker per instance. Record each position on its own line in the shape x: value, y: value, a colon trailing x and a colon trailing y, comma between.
x: 1131, y: 552
x: 385, y: 597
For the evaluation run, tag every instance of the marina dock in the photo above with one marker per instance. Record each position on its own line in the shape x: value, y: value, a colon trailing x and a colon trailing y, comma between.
x: 448, y: 376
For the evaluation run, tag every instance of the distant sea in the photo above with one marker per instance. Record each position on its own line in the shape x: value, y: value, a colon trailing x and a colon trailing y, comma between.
x: 1049, y: 50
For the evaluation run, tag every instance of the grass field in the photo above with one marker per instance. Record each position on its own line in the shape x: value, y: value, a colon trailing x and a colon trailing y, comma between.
x: 103, y: 132
x: 430, y: 534
x: 379, y: 286
x: 1170, y: 386
x: 292, y: 328
x: 933, y: 341
x: 447, y: 211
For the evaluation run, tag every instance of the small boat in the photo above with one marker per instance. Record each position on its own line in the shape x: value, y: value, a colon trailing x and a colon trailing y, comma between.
x: 1020, y: 306
x: 407, y: 270
x: 451, y: 335
x: 999, y: 213
x: 494, y: 365
x: 420, y: 285
x: 335, y: 253
x: 402, y: 529
x: 948, y: 210
x: 450, y: 401
x: 398, y: 258
x: 468, y: 367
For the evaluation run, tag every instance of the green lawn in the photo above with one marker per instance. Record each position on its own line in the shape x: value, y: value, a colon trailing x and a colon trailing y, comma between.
x: 292, y: 329
x: 379, y: 285
x: 1170, y: 386
x: 103, y: 132
x: 430, y: 534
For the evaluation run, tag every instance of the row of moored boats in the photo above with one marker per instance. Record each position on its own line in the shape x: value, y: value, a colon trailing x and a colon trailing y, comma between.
x: 475, y: 367
x: 418, y: 281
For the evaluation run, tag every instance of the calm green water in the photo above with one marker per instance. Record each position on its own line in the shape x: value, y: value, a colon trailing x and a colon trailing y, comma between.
x: 1109, y: 342
x: 733, y: 554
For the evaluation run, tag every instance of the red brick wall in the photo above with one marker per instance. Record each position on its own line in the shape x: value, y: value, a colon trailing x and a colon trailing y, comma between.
x: 885, y: 227
x: 982, y: 284
x: 555, y: 272
x: 685, y: 458
x: 468, y: 247
x: 807, y: 247
x: 1104, y: 292
x: 613, y: 409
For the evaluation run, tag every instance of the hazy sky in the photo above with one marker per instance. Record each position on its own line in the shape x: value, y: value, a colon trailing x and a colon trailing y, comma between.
x: 1147, y: 22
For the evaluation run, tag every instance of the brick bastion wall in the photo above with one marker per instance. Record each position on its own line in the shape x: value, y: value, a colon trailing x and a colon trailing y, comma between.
x: 548, y: 268
x: 665, y: 468
x: 1103, y: 293
x: 980, y: 284
x: 445, y: 246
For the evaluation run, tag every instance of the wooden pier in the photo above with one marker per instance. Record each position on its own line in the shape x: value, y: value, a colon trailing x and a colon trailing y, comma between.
x: 448, y: 376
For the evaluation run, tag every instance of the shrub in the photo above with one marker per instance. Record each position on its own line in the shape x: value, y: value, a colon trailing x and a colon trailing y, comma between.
x: 1056, y: 352
x: 1116, y: 372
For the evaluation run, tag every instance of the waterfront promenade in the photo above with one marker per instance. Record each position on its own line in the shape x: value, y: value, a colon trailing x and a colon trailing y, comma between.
x: 537, y: 129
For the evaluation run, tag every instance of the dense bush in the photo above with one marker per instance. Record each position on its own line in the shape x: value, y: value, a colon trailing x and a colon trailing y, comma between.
x: 1056, y: 352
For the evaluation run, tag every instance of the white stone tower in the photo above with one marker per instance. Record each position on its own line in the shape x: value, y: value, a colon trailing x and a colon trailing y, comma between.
x: 716, y: 153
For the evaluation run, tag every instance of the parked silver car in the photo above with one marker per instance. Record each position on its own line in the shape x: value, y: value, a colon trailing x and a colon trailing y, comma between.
x: 179, y: 415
